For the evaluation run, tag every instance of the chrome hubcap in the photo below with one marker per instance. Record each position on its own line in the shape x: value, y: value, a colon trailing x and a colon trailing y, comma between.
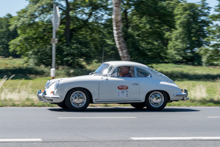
x: 78, y: 99
x: 156, y: 99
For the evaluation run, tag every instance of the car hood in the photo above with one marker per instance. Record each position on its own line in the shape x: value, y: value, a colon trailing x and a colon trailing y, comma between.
x: 79, y: 79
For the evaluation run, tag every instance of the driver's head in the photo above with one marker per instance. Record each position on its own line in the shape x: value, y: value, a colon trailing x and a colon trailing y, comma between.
x: 124, y: 70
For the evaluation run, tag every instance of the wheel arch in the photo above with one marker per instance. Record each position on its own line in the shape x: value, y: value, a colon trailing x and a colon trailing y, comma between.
x: 160, y: 91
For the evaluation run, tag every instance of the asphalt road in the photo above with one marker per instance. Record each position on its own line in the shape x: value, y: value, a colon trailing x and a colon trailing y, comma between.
x: 174, y: 126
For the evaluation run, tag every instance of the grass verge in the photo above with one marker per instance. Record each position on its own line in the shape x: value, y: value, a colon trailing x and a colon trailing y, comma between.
x: 28, y: 102
x: 202, y: 83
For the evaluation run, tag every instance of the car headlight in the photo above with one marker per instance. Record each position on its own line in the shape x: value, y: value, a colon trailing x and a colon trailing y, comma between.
x: 47, y: 84
x: 56, y: 85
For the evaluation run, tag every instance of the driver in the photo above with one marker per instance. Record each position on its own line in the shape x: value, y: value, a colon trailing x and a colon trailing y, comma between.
x: 124, y: 71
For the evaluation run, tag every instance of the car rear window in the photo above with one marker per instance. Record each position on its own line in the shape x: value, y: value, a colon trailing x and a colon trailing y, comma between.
x: 142, y: 73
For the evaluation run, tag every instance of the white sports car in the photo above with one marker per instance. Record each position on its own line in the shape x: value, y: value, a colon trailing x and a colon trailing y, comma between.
x: 114, y: 82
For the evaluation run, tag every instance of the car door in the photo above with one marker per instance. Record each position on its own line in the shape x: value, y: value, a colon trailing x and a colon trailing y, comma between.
x: 117, y: 88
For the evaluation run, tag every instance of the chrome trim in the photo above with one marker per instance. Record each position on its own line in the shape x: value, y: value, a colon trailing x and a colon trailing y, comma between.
x: 47, y: 85
x: 180, y: 94
x: 185, y: 98
x: 156, y: 99
x: 57, y: 83
x: 51, y: 97
x: 78, y: 99
x: 46, y: 98
x: 184, y: 94
x: 39, y: 95
x: 39, y: 92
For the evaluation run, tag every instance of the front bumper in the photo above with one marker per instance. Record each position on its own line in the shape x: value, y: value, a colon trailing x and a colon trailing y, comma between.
x: 184, y: 94
x: 42, y: 96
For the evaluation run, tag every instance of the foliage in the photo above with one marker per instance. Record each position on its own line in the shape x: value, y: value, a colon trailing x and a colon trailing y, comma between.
x: 145, y: 31
x: 6, y: 35
x: 211, y: 53
x: 79, y: 37
x: 156, y: 31
x: 189, y: 33
x: 15, y: 67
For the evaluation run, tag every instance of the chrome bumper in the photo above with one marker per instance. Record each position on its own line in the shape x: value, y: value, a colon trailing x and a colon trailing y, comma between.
x: 42, y: 96
x: 184, y: 94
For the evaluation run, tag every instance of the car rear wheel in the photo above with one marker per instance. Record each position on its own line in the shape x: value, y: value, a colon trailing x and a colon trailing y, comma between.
x: 138, y: 105
x: 156, y: 100
x: 77, y: 99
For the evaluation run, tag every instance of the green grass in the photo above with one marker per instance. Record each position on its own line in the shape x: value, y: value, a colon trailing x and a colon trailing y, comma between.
x: 188, y: 72
x: 187, y: 68
x: 203, y: 83
x: 21, y: 70
x: 9, y: 63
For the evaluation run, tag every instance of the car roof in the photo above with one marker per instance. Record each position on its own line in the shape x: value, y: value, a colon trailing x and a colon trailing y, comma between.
x: 125, y: 63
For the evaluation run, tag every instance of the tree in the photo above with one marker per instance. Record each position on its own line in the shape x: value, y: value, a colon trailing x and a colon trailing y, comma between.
x: 211, y: 53
x: 6, y: 35
x: 188, y: 36
x: 79, y: 34
x: 146, y: 25
x: 117, y: 29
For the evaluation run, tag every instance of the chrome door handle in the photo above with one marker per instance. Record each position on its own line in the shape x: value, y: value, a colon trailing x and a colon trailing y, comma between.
x: 134, y: 83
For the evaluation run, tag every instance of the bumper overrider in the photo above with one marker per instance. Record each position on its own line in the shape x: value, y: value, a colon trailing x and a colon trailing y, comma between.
x: 184, y: 94
x: 42, y: 96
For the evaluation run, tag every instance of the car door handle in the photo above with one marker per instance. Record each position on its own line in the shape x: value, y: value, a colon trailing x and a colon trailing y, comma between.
x: 134, y: 83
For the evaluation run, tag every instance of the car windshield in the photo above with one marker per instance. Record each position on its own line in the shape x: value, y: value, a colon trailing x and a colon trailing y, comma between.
x: 102, y: 70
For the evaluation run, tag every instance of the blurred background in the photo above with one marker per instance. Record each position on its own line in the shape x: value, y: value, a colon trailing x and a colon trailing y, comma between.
x: 176, y: 37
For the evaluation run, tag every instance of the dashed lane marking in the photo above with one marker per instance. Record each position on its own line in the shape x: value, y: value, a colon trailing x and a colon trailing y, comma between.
x: 214, y: 117
x: 175, y: 138
x: 96, y: 117
x: 21, y: 140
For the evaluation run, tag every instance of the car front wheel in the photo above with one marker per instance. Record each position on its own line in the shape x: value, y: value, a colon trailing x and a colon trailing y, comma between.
x: 156, y: 100
x: 77, y: 99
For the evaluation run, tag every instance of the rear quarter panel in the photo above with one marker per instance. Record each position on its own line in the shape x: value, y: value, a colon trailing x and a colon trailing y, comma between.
x: 151, y: 84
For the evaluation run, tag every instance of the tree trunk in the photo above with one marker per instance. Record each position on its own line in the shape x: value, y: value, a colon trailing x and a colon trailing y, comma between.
x: 117, y: 29
x: 67, y: 29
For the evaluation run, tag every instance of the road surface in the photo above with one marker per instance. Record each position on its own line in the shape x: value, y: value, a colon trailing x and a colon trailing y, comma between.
x: 124, y: 126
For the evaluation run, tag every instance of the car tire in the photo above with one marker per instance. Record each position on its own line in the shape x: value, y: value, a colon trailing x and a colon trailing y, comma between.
x: 77, y: 99
x: 156, y: 100
x: 62, y: 105
x: 138, y: 105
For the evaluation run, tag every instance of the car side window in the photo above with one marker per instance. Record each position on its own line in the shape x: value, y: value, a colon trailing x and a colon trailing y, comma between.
x: 142, y: 73
x: 123, y: 71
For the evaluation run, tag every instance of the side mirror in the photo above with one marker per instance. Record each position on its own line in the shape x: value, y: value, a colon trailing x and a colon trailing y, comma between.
x: 104, y: 75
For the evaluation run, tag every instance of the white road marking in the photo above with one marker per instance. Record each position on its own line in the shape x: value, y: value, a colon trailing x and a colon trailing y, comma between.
x: 214, y: 117
x: 95, y: 117
x: 21, y: 140
x: 175, y: 138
